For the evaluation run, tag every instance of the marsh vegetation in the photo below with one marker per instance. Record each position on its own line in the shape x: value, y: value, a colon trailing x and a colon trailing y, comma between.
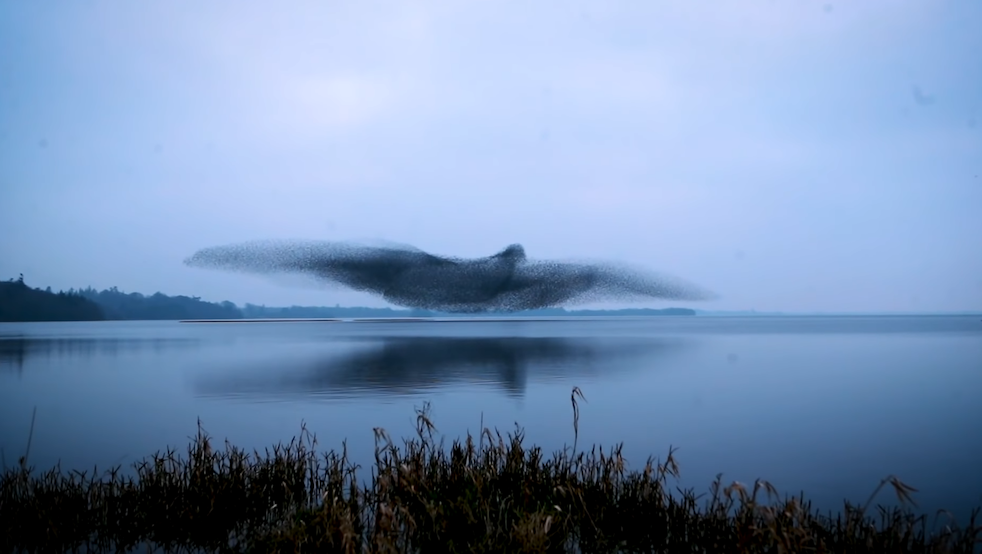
x: 489, y: 493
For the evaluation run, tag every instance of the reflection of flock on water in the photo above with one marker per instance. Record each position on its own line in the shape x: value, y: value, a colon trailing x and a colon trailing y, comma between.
x: 406, y: 365
x: 352, y: 360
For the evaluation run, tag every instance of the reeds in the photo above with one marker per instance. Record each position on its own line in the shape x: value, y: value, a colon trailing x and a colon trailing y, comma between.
x: 489, y: 494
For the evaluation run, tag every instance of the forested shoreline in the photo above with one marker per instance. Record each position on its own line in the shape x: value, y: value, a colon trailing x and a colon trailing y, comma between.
x: 20, y: 302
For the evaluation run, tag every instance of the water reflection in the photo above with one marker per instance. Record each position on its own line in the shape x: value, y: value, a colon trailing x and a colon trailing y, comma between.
x: 407, y: 365
x: 16, y: 351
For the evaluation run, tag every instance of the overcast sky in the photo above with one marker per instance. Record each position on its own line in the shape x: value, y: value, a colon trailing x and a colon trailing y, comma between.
x: 795, y: 156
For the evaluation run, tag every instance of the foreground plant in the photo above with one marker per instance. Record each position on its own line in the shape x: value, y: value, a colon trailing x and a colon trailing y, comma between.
x: 492, y: 495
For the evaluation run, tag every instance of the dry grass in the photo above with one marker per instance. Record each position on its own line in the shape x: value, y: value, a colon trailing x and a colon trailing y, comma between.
x: 492, y: 495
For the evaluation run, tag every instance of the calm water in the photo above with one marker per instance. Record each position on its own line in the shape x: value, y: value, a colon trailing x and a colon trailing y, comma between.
x: 825, y: 405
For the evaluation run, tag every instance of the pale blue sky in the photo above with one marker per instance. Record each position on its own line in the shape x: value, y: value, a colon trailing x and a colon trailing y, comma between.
x: 796, y: 156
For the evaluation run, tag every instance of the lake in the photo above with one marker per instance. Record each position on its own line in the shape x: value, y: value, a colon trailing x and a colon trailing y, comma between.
x: 827, y: 405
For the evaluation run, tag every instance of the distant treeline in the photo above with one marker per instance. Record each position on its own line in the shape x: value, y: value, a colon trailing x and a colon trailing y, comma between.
x: 120, y: 305
x: 19, y: 302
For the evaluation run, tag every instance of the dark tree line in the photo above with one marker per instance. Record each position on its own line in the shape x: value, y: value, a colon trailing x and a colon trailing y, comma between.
x: 135, y: 306
x: 19, y: 302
